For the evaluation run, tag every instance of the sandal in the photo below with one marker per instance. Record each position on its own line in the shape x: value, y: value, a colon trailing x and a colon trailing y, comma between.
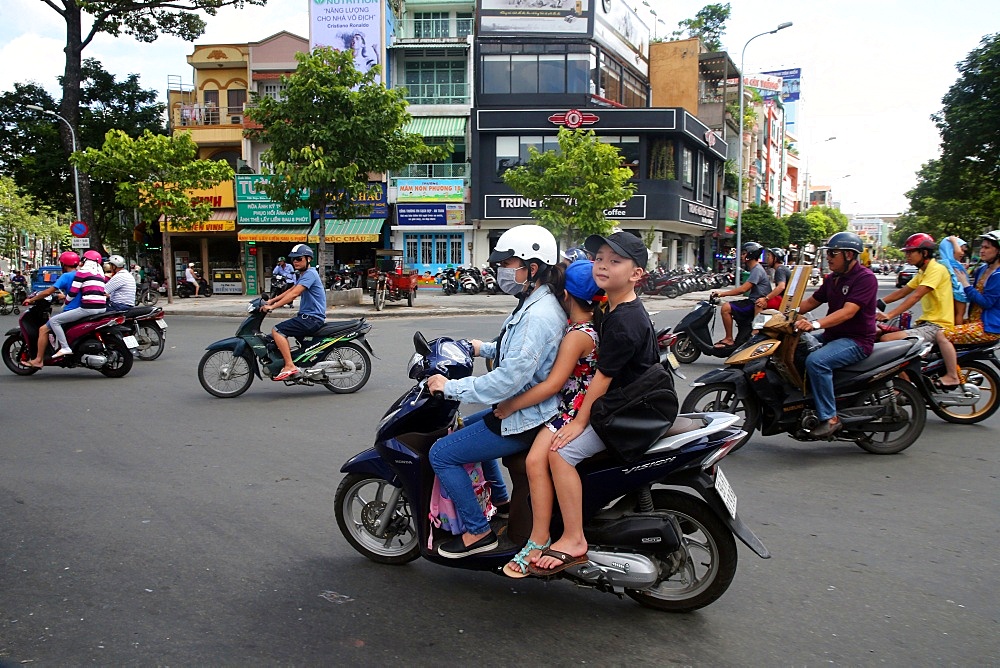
x: 941, y: 387
x: 566, y: 560
x: 723, y: 344
x: 518, y: 566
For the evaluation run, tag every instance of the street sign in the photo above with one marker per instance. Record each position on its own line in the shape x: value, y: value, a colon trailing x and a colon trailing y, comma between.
x: 77, y: 242
x: 78, y: 228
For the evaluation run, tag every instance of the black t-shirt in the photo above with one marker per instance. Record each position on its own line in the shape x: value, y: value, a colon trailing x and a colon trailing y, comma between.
x: 627, y: 346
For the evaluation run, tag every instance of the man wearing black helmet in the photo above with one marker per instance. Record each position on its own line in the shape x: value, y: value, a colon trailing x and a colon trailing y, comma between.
x: 756, y: 286
x: 850, y: 293
x: 312, y: 308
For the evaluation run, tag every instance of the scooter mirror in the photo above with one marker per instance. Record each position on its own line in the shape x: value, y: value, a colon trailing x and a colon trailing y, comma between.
x: 420, y: 344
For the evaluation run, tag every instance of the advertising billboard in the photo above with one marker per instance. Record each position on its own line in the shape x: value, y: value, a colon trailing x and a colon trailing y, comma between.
x: 618, y: 28
x: 430, y: 190
x: 790, y: 80
x: 254, y: 207
x: 348, y: 25
x: 561, y: 17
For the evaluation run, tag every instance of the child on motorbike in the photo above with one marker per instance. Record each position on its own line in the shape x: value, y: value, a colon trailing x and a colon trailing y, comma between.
x: 571, y: 374
x: 525, y: 354
x: 627, y: 349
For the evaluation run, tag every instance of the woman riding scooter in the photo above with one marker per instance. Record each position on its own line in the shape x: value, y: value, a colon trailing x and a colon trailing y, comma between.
x: 524, y: 353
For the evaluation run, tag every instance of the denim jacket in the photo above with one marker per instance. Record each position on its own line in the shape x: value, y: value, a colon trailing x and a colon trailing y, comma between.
x: 527, y: 352
x: 988, y: 299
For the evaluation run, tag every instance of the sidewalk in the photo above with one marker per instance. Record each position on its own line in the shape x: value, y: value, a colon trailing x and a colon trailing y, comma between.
x: 429, y: 302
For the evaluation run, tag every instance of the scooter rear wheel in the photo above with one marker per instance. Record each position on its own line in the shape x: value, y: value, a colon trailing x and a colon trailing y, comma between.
x: 152, y: 341
x: 215, y: 364
x: 358, y: 506
x: 13, y: 348
x: 120, y: 360
x: 356, y: 354
x: 987, y: 381
x: 705, y: 565
x: 890, y: 442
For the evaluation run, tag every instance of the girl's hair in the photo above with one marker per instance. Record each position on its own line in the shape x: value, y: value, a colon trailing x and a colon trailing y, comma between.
x: 553, y: 276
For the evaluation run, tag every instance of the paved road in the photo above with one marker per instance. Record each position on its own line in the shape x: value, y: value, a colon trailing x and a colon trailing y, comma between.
x: 162, y: 525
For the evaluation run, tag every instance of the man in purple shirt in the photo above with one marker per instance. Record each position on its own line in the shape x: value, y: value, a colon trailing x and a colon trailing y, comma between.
x: 850, y: 291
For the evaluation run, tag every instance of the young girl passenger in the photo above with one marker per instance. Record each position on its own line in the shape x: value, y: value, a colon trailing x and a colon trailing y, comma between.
x: 571, y: 374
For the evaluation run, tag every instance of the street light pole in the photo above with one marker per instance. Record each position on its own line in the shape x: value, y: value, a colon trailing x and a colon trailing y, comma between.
x: 739, y: 158
x: 72, y: 134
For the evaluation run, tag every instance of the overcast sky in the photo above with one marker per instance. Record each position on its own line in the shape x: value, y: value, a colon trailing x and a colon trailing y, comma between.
x: 873, y: 71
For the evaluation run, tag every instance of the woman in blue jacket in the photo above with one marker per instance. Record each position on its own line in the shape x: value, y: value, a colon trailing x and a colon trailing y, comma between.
x: 524, y: 356
x: 983, y: 323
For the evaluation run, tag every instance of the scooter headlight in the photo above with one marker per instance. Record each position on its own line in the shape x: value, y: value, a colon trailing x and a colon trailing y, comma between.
x: 415, y: 367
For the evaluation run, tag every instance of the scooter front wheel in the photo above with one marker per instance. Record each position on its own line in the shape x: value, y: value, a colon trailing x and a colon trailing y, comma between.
x: 13, y: 349
x: 685, y: 350
x: 722, y: 397
x: 359, y: 505
x: 701, y: 570
x: 224, y: 374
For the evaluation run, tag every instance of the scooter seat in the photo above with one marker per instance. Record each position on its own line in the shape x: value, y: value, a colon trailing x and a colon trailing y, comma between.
x: 93, y: 317
x: 137, y: 311
x: 336, y: 327
x: 882, y: 353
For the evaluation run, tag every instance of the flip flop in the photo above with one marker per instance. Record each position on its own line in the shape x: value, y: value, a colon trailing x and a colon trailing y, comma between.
x: 566, y: 559
x: 285, y: 375
x: 945, y: 388
x: 723, y: 344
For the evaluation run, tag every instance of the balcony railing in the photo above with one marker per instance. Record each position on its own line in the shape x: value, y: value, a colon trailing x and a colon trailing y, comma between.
x: 207, y: 114
x: 435, y: 28
x: 438, y: 93
x: 433, y: 171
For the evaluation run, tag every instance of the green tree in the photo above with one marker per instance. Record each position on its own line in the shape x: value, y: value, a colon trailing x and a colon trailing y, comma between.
x: 22, y: 218
x: 34, y: 155
x: 761, y: 225
x: 575, y: 185
x: 155, y: 174
x: 333, y: 128
x: 143, y: 20
x: 709, y: 24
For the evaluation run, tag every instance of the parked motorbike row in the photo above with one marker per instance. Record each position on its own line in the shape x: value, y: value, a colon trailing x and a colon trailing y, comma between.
x: 677, y: 282
x: 468, y: 280
x: 107, y: 342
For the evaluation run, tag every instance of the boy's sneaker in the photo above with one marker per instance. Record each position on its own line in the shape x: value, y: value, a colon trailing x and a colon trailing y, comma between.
x: 62, y: 352
x: 456, y: 547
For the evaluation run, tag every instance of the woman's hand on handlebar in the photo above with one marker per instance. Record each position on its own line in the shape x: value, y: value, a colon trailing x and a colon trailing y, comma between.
x: 476, y: 343
x: 435, y: 384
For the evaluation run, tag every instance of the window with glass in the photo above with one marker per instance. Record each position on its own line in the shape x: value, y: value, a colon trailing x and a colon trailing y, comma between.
x: 661, y: 159
x: 611, y: 80
x: 430, y: 25
x: 628, y: 147
x: 436, y: 82
x: 687, y: 167
x: 528, y: 73
x: 436, y: 250
x: 706, y: 177
x: 275, y: 90
x: 514, y: 151
x: 463, y: 24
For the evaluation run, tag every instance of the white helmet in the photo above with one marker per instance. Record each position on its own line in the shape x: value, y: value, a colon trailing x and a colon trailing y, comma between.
x: 117, y: 260
x: 190, y: 264
x: 528, y: 242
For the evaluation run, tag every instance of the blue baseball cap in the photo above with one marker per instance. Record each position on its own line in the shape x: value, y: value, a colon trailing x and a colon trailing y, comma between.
x: 580, y: 280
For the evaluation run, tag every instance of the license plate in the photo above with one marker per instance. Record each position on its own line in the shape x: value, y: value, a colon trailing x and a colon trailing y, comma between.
x: 672, y: 359
x: 162, y: 324
x: 725, y: 491
x: 130, y: 341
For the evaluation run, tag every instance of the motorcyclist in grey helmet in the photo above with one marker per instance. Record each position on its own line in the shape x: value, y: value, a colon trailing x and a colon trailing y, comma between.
x: 756, y: 286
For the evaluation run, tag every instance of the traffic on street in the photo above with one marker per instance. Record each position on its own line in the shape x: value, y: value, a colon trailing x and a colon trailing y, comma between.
x: 158, y: 523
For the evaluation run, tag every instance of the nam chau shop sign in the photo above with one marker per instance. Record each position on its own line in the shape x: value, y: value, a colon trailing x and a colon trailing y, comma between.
x: 515, y: 206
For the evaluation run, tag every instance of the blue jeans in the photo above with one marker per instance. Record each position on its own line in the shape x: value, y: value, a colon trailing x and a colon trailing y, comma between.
x: 819, y: 370
x: 472, y: 443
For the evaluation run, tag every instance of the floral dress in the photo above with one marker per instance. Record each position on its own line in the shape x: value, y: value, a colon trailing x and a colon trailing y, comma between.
x: 573, y: 392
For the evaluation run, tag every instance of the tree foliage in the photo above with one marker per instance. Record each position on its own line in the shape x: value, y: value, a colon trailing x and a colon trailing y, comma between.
x: 334, y: 127
x: 959, y: 192
x: 34, y: 156
x: 761, y: 225
x: 575, y: 185
x: 155, y: 174
x: 143, y: 20
x: 22, y: 217
x: 708, y: 24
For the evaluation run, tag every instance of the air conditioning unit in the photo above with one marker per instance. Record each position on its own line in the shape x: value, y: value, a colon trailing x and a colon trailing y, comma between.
x: 657, y: 245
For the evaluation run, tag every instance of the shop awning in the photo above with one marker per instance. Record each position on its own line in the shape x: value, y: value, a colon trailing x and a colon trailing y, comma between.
x: 349, y: 231
x: 221, y: 220
x: 438, y: 126
x: 280, y: 233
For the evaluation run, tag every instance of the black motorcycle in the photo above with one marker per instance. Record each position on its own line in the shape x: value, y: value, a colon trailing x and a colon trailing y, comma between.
x: 694, y: 333
x: 764, y: 381
x: 185, y: 289
x: 662, y: 530
x: 336, y: 356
